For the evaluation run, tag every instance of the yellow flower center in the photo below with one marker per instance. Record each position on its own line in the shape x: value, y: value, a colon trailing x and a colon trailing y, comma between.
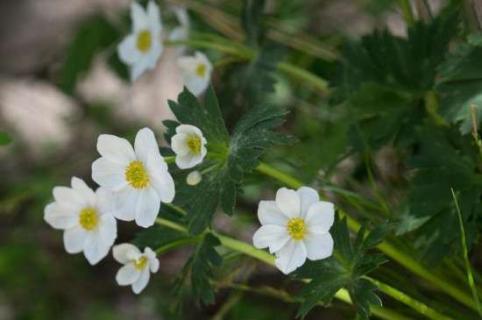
x: 136, y: 175
x: 201, y: 70
x: 296, y: 228
x: 140, y: 263
x: 144, y: 41
x: 88, y: 218
x: 194, y: 144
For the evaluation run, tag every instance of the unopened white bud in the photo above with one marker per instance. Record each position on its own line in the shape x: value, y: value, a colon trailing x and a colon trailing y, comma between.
x: 193, y: 178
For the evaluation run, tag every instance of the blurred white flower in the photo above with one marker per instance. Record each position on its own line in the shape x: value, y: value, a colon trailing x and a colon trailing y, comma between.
x: 295, y: 227
x: 194, y: 178
x: 85, y: 216
x: 139, y: 177
x: 189, y: 145
x: 143, y: 47
x: 137, y: 266
x: 196, y: 72
x: 181, y: 32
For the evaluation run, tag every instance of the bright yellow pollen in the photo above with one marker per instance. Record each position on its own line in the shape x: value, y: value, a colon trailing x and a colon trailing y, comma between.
x: 194, y: 144
x: 201, y: 70
x: 88, y: 218
x: 296, y: 228
x: 140, y: 263
x: 144, y: 41
x: 136, y: 175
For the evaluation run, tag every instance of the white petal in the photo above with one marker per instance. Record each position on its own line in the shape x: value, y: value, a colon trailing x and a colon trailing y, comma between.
x: 127, y: 50
x: 161, y: 180
x: 95, y: 248
x: 116, y: 149
x: 154, y: 17
x: 188, y: 161
x: 147, y: 208
x: 109, y: 174
x: 125, y: 252
x: 308, y: 196
x: 127, y: 275
x: 126, y: 202
x: 195, y: 84
x: 319, y: 246
x: 145, y: 144
x: 189, y: 129
x: 268, y: 213
x: 272, y: 236
x: 69, y: 197
x: 179, y: 144
x: 138, y: 16
x: 58, y: 217
x: 153, y: 261
x: 288, y: 201
x: 139, y: 68
x: 153, y: 55
x: 291, y: 256
x: 105, y: 201
x: 74, y: 239
x: 108, y: 229
x: 141, y: 282
x: 320, y: 217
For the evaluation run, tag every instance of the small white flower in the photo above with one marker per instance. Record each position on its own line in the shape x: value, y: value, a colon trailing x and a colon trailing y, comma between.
x: 85, y: 216
x: 194, y: 178
x: 137, y: 266
x: 181, y: 32
x: 295, y: 227
x: 143, y: 47
x: 196, y: 72
x: 139, y: 177
x: 189, y: 145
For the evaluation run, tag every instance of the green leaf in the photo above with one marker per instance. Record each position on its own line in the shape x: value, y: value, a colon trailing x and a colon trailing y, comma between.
x: 4, y: 138
x: 228, y: 159
x: 346, y: 268
x: 251, y: 21
x: 93, y: 35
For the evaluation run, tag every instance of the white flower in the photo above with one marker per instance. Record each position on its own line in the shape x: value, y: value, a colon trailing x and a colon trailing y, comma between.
x: 181, y: 32
x: 85, y: 216
x: 142, y: 48
x: 196, y: 72
x: 139, y: 177
x: 295, y: 227
x: 194, y: 178
x: 137, y: 266
x: 189, y: 145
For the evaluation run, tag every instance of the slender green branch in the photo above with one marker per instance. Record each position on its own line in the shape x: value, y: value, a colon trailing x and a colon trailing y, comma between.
x: 470, y: 275
x: 387, y: 248
x: 406, y: 11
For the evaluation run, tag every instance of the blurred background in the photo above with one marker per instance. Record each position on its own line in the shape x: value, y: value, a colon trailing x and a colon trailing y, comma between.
x: 57, y: 95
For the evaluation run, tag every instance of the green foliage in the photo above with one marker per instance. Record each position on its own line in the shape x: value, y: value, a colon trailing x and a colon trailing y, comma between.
x: 345, y: 269
x: 229, y: 158
x: 93, y: 36
x: 251, y: 20
x: 4, y: 138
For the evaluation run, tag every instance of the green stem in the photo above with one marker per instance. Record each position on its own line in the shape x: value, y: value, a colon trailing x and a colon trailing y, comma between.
x: 342, y: 294
x: 406, y: 11
x: 385, y: 247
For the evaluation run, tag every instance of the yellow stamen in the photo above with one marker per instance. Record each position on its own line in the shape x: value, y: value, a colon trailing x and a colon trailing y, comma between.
x: 296, y: 228
x: 194, y: 143
x: 141, y: 263
x: 88, y: 218
x: 201, y: 70
x: 136, y: 175
x: 144, y: 41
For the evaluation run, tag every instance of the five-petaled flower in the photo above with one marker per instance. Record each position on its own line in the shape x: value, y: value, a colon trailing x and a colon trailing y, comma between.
x: 143, y: 47
x: 137, y: 266
x: 139, y: 177
x: 85, y: 216
x: 196, y: 72
x: 189, y: 145
x: 295, y: 227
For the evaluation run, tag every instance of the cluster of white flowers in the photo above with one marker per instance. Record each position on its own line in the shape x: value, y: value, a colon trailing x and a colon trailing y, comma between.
x: 133, y: 181
x: 144, y: 46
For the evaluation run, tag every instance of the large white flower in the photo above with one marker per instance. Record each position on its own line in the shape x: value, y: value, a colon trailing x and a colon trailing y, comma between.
x: 139, y: 177
x: 137, y: 266
x: 295, y: 227
x: 86, y: 218
x: 143, y: 47
x: 196, y: 72
x: 189, y: 145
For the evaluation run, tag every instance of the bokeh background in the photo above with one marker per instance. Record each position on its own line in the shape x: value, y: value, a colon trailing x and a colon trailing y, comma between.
x: 53, y: 123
